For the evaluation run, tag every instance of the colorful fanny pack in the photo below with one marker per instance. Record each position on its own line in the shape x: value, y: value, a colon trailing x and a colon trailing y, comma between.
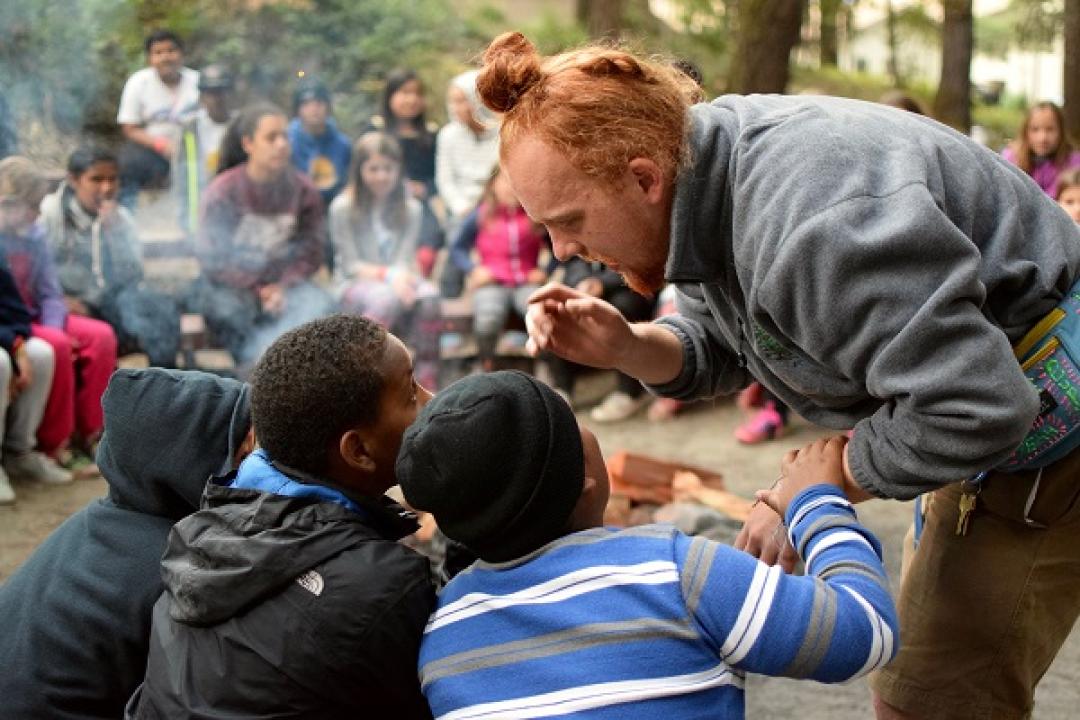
x: 1049, y: 355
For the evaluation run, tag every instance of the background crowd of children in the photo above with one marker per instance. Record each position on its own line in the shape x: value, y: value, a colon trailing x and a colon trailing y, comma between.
x: 291, y: 220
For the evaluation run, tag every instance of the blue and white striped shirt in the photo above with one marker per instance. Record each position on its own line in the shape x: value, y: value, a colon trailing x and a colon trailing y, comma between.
x: 649, y: 623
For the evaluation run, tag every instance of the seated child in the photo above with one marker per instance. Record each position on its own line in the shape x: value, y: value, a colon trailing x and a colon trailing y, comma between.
x: 288, y: 595
x: 562, y: 615
x: 377, y: 229
x: 508, y: 244
x: 26, y: 372
x: 96, y: 251
x: 79, y: 608
x: 1068, y: 193
x: 84, y: 348
x: 260, y: 241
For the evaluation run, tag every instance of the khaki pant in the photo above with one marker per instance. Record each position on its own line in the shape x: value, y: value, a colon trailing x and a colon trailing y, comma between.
x: 983, y: 615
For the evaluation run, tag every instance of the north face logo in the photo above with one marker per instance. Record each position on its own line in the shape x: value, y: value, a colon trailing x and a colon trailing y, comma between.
x: 312, y: 582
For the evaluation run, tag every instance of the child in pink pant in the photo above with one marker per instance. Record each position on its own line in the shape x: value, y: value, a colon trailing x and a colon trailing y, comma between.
x: 85, y: 349
x: 75, y: 398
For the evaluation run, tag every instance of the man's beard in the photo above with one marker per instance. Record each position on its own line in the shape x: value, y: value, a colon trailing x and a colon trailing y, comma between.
x: 646, y: 285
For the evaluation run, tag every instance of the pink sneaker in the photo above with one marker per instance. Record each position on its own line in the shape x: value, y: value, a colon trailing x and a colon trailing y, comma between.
x: 765, y: 425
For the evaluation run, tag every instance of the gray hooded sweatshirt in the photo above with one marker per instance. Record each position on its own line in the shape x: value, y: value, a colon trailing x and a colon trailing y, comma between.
x: 872, y: 268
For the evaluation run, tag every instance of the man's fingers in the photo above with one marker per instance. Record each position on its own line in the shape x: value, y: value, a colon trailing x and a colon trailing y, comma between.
x: 554, y: 291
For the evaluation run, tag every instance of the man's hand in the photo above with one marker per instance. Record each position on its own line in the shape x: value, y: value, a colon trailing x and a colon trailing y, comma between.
x: 819, y: 463
x: 577, y: 327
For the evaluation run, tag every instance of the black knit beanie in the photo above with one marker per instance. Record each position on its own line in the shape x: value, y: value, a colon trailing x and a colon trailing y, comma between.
x: 310, y: 88
x: 497, y: 459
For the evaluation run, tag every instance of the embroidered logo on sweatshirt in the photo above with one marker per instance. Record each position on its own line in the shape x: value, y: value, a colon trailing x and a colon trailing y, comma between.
x: 312, y: 582
x: 768, y: 346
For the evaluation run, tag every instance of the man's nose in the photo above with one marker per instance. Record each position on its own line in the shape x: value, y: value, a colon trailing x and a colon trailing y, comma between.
x: 565, y: 249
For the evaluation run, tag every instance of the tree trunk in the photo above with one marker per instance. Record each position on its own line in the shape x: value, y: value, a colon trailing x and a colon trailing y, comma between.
x: 952, y: 105
x: 766, y: 32
x: 1072, y: 70
x: 830, y: 9
x: 892, y: 64
x: 602, y: 18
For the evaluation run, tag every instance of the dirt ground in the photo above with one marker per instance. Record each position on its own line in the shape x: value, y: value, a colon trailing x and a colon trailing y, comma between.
x: 702, y: 436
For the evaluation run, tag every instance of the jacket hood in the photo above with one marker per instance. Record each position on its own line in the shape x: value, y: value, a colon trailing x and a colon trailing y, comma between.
x: 245, y: 545
x: 166, y: 433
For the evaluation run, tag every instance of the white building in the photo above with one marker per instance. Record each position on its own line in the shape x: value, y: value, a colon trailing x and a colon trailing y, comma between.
x: 1036, y: 75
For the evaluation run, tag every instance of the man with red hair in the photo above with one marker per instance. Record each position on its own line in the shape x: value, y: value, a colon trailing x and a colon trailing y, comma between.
x: 872, y: 269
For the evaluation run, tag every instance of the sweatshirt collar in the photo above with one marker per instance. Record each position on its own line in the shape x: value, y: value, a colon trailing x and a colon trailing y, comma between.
x: 699, y: 249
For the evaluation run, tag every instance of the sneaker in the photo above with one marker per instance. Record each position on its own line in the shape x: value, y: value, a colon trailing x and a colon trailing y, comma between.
x: 618, y: 406
x: 7, y: 495
x: 36, y: 467
x: 765, y: 425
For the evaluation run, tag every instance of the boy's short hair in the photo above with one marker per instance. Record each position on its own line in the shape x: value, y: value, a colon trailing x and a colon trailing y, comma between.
x: 314, y: 383
x: 497, y: 459
x: 88, y: 155
x: 162, y: 35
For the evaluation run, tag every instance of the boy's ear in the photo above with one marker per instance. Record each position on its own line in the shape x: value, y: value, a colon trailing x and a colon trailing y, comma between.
x: 355, y: 453
x: 246, y: 447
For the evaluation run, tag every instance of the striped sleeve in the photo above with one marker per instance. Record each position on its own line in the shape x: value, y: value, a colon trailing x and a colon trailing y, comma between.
x: 833, y: 624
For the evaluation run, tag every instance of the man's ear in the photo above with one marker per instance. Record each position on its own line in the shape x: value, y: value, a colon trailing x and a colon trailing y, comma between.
x: 246, y: 143
x: 648, y: 177
x: 355, y: 453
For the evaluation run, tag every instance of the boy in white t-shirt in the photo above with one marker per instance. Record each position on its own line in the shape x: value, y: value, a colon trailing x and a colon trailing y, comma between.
x: 155, y: 102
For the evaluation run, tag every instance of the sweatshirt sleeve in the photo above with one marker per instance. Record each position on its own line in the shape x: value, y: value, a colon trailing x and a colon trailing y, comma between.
x: 50, y: 297
x: 887, y: 292
x: 214, y: 241
x: 836, y: 623
x: 342, y: 238
x: 307, y: 249
x: 710, y: 366
x: 445, y: 178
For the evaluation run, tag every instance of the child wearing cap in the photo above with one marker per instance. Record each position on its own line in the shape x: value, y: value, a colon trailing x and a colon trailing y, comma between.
x: 561, y: 615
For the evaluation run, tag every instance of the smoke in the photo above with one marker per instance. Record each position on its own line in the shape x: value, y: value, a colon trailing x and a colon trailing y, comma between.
x: 50, y: 74
x: 303, y: 303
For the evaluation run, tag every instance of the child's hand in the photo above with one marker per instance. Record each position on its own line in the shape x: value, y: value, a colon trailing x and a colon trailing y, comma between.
x: 819, y: 463
x: 479, y: 277
x: 536, y: 276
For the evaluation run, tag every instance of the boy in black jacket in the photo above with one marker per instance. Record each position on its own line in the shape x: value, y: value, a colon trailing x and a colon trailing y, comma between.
x: 77, y: 613
x: 288, y: 595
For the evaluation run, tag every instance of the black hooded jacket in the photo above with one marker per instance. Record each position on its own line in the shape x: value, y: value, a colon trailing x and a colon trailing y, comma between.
x: 76, y: 615
x: 288, y: 607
